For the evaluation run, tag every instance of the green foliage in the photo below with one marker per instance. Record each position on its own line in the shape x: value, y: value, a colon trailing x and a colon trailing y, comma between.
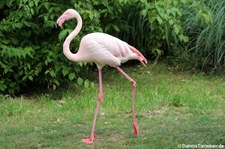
x: 29, y: 49
x: 207, y: 46
x: 156, y: 27
x: 24, y: 57
x: 190, y: 32
x: 164, y: 19
x: 31, y: 42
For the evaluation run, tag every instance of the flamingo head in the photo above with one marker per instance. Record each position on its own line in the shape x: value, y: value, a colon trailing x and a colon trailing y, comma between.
x: 67, y: 15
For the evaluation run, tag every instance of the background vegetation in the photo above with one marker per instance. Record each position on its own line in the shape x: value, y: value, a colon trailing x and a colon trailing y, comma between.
x: 187, y: 33
x: 206, y: 48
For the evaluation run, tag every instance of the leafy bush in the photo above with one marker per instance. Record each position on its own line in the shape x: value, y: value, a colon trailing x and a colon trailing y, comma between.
x: 30, y: 52
x: 31, y: 42
x: 165, y: 23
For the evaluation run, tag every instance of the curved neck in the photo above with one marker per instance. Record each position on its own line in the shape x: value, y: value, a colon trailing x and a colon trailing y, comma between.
x: 72, y: 35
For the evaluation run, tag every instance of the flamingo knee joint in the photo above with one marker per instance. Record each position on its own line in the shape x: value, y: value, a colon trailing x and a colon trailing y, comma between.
x: 134, y: 84
x: 100, y: 96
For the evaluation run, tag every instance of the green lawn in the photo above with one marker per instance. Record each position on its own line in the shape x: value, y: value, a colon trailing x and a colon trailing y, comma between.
x: 173, y: 108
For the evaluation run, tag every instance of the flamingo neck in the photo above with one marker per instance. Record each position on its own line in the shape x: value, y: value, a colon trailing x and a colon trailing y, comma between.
x: 66, y: 46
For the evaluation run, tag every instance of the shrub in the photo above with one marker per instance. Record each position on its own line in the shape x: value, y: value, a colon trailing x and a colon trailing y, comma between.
x: 31, y: 42
x: 30, y: 51
x: 165, y: 24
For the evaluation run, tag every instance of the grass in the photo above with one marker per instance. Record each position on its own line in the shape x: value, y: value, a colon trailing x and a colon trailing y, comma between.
x: 172, y: 108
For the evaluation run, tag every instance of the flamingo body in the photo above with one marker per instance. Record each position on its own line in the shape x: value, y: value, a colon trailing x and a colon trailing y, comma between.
x: 102, y: 49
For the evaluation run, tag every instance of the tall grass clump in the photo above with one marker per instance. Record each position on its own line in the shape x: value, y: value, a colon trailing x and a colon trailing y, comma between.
x: 207, y: 44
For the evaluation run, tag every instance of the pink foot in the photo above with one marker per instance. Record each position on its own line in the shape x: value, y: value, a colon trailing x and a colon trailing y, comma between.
x: 136, y: 130
x: 88, y: 141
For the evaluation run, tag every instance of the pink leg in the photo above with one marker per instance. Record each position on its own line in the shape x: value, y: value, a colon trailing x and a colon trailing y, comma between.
x: 91, y: 139
x: 133, y: 98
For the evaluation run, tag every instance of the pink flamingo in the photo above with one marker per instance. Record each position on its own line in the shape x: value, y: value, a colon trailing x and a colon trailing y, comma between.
x: 103, y: 49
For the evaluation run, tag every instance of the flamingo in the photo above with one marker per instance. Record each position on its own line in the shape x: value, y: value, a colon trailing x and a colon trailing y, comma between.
x: 102, y: 49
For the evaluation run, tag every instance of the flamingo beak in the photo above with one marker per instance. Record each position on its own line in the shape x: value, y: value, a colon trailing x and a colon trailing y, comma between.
x: 61, y: 19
